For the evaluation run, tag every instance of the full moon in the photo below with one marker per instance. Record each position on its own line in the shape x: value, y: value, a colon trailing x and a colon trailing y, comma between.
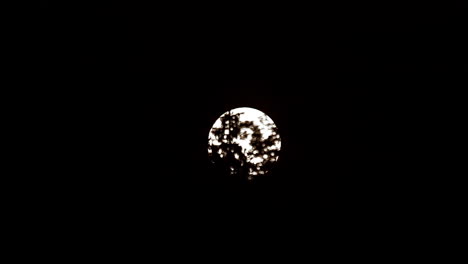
x: 245, y: 141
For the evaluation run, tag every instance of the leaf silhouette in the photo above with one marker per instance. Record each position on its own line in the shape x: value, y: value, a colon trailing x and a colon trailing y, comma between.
x: 232, y: 157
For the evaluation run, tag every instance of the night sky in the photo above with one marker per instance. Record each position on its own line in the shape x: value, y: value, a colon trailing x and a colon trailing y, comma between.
x: 350, y: 92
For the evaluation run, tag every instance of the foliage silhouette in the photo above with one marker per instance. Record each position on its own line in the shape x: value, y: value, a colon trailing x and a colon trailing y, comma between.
x: 228, y: 155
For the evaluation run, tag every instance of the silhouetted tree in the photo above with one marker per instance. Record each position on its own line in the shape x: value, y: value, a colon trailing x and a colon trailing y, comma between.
x: 229, y: 156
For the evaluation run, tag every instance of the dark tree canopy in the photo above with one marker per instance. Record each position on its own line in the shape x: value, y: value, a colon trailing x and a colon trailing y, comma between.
x: 229, y: 156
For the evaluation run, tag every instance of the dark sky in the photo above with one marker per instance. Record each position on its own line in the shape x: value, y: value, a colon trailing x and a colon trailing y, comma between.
x: 352, y: 94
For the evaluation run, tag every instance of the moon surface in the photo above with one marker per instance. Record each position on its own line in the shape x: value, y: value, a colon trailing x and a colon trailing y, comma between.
x: 245, y: 141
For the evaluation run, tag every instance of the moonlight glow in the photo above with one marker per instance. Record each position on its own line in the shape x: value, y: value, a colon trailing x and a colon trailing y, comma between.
x: 245, y: 140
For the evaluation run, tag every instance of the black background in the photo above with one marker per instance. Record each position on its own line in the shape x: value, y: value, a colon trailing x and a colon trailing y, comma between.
x: 353, y: 90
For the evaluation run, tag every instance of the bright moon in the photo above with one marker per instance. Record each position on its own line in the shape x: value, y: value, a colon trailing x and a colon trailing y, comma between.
x: 246, y: 141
